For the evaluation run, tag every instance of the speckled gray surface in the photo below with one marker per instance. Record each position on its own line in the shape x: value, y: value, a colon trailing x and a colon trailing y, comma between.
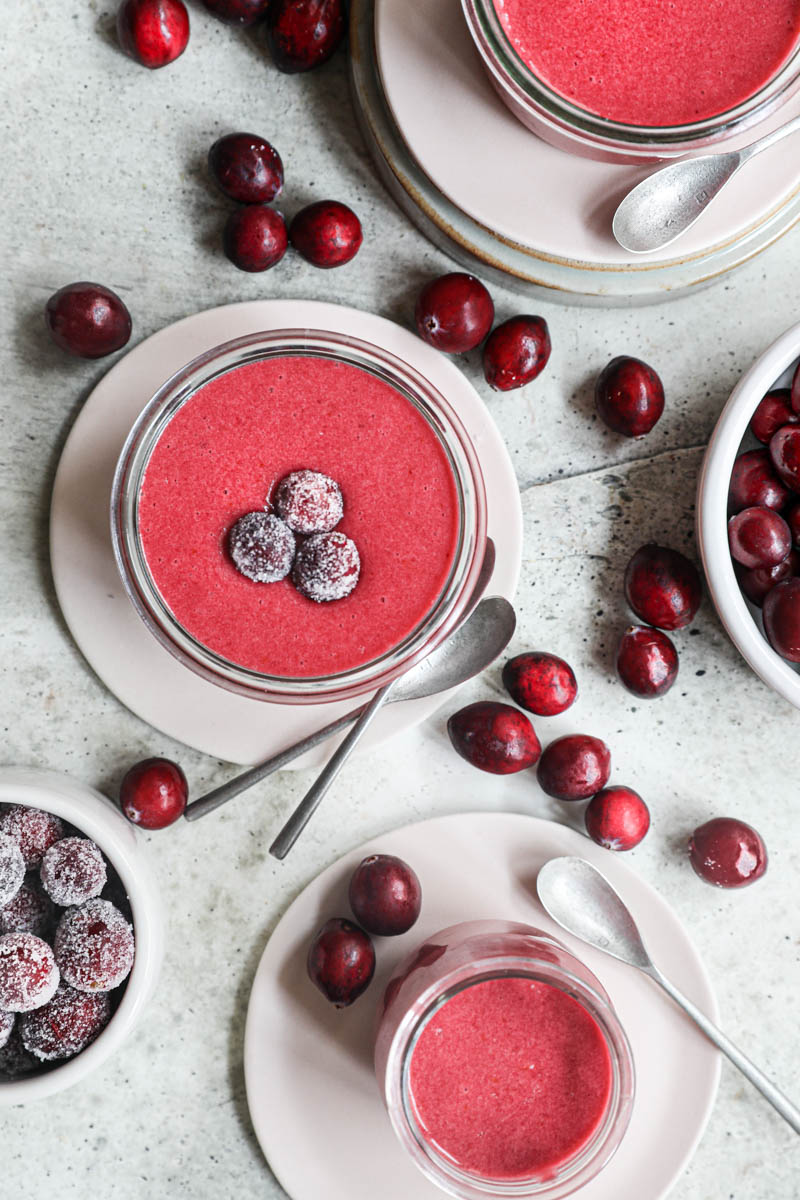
x: 104, y: 178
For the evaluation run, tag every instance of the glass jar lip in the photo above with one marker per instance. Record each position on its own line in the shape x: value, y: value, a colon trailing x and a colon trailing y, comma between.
x: 453, y: 438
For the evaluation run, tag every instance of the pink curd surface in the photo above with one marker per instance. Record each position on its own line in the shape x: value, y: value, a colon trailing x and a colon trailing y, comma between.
x: 653, y: 62
x: 221, y: 456
x: 510, y: 1078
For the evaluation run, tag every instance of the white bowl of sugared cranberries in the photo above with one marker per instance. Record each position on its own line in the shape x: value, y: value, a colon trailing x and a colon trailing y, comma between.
x: 81, y: 932
x: 748, y: 516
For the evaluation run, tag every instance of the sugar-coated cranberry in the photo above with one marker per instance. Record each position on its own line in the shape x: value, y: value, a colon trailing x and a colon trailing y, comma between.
x: 516, y: 352
x: 94, y: 947
x: 754, y: 482
x: 758, y: 582
x: 784, y: 450
x: 574, y: 767
x: 647, y: 662
x: 494, y: 737
x: 262, y: 547
x: 33, y: 830
x: 617, y: 818
x: 759, y: 537
x: 327, y: 567
x: 154, y: 793
x: 88, y: 320
x: 663, y: 587
x: 7, y: 1020
x: 246, y: 167
x: 65, y: 1025
x: 309, y: 502
x: 238, y: 12
x: 73, y: 870
x: 341, y: 961
x: 12, y: 869
x: 774, y: 411
x: 15, y: 1060
x: 326, y: 234
x: 385, y: 895
x: 303, y: 34
x: 28, y: 972
x: 29, y: 912
x: 454, y: 313
x: 727, y: 853
x: 255, y: 238
x: 782, y: 619
x: 629, y: 396
x: 154, y: 32
x: 540, y: 682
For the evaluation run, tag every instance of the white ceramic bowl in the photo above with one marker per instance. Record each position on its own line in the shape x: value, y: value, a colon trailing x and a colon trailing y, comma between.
x: 94, y: 815
x: 741, y: 619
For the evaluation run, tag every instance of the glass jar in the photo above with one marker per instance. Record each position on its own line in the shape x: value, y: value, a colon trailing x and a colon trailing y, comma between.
x: 446, y: 964
x: 144, y: 594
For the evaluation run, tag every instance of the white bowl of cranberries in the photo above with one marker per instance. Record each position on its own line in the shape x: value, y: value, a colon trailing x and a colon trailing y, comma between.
x: 81, y: 932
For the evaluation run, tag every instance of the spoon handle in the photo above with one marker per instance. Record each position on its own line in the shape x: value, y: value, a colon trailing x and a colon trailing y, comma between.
x: 769, y: 139
x: 790, y: 1112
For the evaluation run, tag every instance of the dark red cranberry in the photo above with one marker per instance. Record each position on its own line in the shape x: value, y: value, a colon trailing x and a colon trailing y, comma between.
x: 94, y: 947
x: 309, y: 502
x: 758, y: 582
x: 727, y: 853
x: 784, y: 450
x: 759, y: 537
x: 494, y: 737
x: 662, y: 587
x: 629, y: 396
x: 454, y: 313
x: 542, y: 683
x: 754, y: 482
x: 617, y: 818
x: 341, y: 961
x: 782, y: 619
x: 153, y: 793
x: 246, y: 167
x: 88, y: 320
x: 238, y: 12
x: 28, y: 972
x: 12, y: 869
x: 255, y: 238
x: 327, y: 567
x: 303, y: 34
x: 154, y: 32
x: 574, y: 767
x: 773, y: 412
x: 385, y: 895
x: 794, y: 394
x: 792, y: 518
x: 262, y: 547
x: 516, y: 352
x: 647, y: 662
x: 326, y: 234
x: 65, y: 1025
x: 73, y: 871
x: 33, y: 830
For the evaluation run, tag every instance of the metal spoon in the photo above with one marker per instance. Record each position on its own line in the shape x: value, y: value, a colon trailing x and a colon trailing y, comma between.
x: 580, y: 899
x: 668, y: 202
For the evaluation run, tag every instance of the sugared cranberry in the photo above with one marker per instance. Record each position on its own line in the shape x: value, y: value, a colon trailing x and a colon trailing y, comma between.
x: 28, y: 972
x: 303, y: 34
x: 12, y: 869
x: 792, y: 518
x: 754, y: 482
x: 94, y: 947
x: 238, y: 12
x: 309, y: 502
x: 15, y: 1060
x: 574, y: 767
x: 782, y: 619
x: 454, y: 313
x: 385, y: 895
x: 617, y: 818
x: 784, y: 450
x: 73, y: 871
x: 647, y: 662
x: 758, y: 582
x: 759, y: 537
x: 494, y: 737
x: 65, y: 1025
x: 246, y: 167
x: 33, y: 830
x: 327, y: 567
x: 540, y: 682
x: 154, y: 32
x: 255, y: 238
x: 773, y: 412
x: 154, y: 793
x: 341, y: 961
x: 7, y: 1020
x: 326, y: 234
x: 662, y: 587
x: 727, y: 853
x: 516, y: 352
x: 29, y: 912
x: 88, y: 320
x: 629, y: 396
x: 262, y: 547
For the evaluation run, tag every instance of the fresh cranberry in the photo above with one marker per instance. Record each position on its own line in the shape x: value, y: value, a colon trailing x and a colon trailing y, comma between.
x: 516, y: 352
x: 246, y: 167
x: 73, y: 871
x: 727, y: 853
x: 154, y: 32
x: 326, y: 234
x: 303, y: 34
x: 65, y: 1025
x: 309, y: 502
x: 7, y: 1021
x: 794, y: 393
x: 88, y: 320
x: 238, y: 12
x: 782, y: 619
x: 662, y: 587
x: 28, y: 972
x: 574, y: 767
x: 758, y: 582
x: 617, y: 818
x: 759, y: 537
x: 792, y: 518
x: 327, y: 567
x: 494, y: 737
x: 262, y: 547
x: 154, y: 793
x: 385, y: 895
x: 540, y: 682
x: 33, y: 830
x: 29, y: 912
x: 647, y: 662
x: 341, y: 961
x: 784, y: 450
x: 754, y: 482
x: 94, y: 947
x: 773, y: 412
x: 12, y: 869
x: 629, y: 396
x: 454, y: 313
x: 255, y: 238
